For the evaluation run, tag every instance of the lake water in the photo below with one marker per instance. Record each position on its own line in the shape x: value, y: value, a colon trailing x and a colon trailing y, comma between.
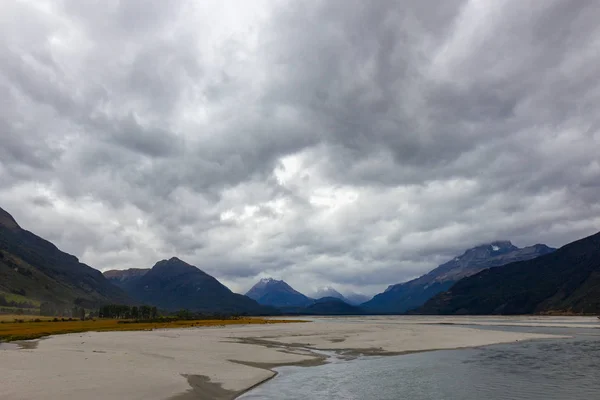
x: 565, y: 369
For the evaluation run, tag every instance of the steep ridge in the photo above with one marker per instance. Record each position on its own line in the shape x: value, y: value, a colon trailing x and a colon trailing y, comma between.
x: 174, y: 284
x: 412, y: 294
x: 567, y: 280
x: 36, y: 269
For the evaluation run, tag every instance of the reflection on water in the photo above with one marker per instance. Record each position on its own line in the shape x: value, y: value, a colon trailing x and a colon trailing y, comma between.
x: 566, y: 369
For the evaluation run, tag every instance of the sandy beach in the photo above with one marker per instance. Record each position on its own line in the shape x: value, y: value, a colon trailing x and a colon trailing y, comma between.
x: 218, y: 362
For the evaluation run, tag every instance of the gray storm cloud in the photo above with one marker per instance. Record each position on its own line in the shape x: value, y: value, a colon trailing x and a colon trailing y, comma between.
x: 350, y: 143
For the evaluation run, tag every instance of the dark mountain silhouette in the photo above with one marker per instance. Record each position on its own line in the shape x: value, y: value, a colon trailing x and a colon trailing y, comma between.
x: 331, y: 306
x: 124, y: 278
x: 354, y: 299
x: 567, y: 280
x: 37, y: 269
x: 412, y: 294
x: 278, y: 294
x: 173, y: 285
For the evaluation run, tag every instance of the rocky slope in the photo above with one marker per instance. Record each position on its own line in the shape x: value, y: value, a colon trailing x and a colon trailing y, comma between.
x: 36, y: 269
x: 567, y: 280
x: 125, y: 277
x: 174, y: 285
x: 412, y: 294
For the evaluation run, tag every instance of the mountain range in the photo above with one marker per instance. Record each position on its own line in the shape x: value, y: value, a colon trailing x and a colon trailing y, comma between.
x: 405, y: 296
x: 493, y: 278
x: 566, y: 281
x: 174, y: 284
x: 325, y: 301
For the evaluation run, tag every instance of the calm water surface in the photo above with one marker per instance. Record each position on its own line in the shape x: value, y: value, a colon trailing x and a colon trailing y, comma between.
x: 566, y: 369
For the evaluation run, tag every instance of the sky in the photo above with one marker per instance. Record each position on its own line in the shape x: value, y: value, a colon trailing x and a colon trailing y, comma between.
x: 340, y: 142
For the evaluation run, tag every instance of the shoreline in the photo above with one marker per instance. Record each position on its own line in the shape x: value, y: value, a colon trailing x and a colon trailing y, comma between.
x: 203, y: 389
x: 220, y: 363
x: 36, y: 329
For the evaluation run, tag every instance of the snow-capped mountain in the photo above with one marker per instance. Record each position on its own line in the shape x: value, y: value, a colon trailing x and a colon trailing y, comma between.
x: 327, y: 291
x: 272, y: 292
x: 412, y: 294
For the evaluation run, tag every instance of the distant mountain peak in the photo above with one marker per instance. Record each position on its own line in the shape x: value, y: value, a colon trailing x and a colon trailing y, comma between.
x: 173, y: 266
x: 173, y: 260
x: 328, y: 291
x: 502, y: 243
x: 496, y: 245
x: 278, y: 293
x: 269, y: 280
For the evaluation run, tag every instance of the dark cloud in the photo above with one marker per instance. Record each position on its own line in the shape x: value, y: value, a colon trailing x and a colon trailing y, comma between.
x: 327, y: 142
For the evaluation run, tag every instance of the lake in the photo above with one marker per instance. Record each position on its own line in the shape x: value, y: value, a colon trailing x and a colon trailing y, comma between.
x: 566, y: 369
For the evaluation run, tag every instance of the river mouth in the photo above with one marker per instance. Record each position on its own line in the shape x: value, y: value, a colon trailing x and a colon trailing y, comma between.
x: 547, y: 369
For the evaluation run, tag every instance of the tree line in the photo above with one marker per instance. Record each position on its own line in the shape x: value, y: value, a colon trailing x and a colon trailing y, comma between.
x: 121, y: 311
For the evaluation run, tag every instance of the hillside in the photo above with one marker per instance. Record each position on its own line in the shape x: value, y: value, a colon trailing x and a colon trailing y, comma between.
x: 37, y: 270
x: 412, y: 294
x: 173, y: 285
x: 331, y: 306
x: 278, y: 294
x: 567, y: 280
x: 123, y: 278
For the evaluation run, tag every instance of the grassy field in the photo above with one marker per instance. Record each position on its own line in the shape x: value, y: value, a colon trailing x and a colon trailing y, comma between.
x: 10, y: 330
x: 12, y: 317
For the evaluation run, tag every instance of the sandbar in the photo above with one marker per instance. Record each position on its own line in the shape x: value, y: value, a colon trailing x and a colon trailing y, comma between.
x: 213, y: 362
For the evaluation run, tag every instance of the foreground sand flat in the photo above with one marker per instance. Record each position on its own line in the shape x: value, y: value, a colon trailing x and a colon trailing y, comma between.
x: 212, y: 363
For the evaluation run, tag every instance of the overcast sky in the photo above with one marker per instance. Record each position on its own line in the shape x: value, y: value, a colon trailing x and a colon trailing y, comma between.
x: 352, y: 143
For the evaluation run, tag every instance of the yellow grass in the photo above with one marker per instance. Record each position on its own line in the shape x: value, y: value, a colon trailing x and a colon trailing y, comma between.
x: 12, y: 317
x: 32, y: 330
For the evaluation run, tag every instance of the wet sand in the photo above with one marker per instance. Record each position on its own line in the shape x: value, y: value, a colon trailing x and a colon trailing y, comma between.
x: 218, y: 362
